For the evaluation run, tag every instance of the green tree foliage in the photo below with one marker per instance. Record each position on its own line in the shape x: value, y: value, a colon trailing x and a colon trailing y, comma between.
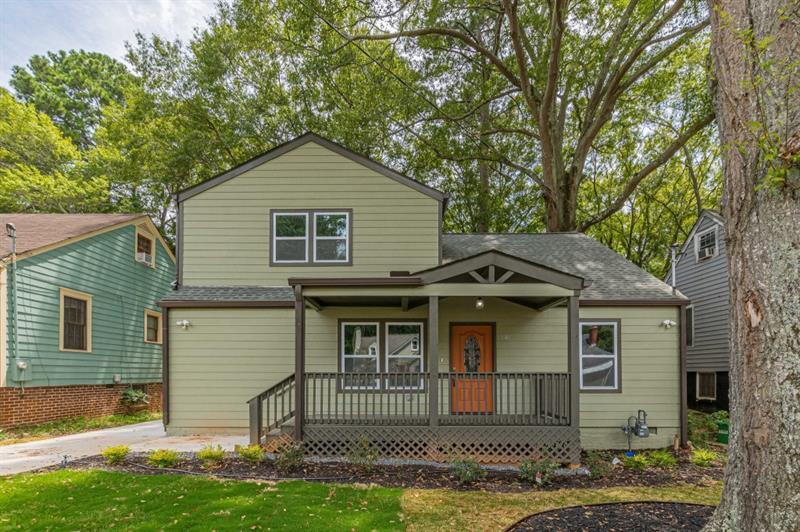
x: 40, y: 168
x: 71, y: 88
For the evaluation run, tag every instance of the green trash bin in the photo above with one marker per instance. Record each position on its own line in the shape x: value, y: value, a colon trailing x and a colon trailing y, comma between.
x: 722, y: 431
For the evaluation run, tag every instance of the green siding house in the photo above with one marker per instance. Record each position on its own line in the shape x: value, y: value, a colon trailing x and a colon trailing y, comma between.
x: 320, y: 301
x: 79, y: 320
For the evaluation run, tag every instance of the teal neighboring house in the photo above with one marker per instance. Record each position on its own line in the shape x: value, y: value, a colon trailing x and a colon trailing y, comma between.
x: 79, y: 320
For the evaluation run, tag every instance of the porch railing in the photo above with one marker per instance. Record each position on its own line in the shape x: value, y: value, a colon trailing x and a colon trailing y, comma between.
x: 497, y: 398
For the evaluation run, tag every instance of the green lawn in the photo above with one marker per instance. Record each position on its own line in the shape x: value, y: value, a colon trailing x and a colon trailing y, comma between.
x: 92, y: 500
x: 72, y: 425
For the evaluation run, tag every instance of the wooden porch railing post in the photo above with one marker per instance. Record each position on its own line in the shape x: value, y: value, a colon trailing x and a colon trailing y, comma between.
x: 433, y: 360
x: 573, y: 330
x: 256, y: 420
x: 299, y: 361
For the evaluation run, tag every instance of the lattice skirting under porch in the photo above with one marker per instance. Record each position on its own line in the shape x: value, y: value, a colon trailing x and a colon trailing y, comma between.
x: 496, y: 444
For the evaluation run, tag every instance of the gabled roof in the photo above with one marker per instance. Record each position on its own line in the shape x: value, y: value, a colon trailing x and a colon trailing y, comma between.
x: 613, y: 277
x: 714, y: 216
x: 36, y: 232
x: 296, y: 143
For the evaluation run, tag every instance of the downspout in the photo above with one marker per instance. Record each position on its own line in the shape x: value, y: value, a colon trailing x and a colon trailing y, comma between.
x: 11, y: 231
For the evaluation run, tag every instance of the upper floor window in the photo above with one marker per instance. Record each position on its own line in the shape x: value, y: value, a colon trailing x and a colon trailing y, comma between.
x: 311, y: 237
x: 705, y: 244
x: 145, y: 249
x: 599, y: 352
x: 75, y: 331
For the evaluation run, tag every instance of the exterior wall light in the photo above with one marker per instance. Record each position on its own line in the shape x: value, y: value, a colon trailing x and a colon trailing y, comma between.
x: 479, y: 303
x: 668, y: 324
x: 183, y: 324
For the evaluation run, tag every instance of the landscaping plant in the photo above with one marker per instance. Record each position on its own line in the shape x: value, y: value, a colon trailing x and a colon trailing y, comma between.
x: 252, y: 453
x: 362, y: 455
x: 662, y: 459
x: 537, y: 472
x: 704, y: 457
x: 599, y: 466
x: 466, y: 471
x: 163, y: 458
x: 289, y: 457
x: 115, y: 454
x: 637, y: 462
x: 210, y: 455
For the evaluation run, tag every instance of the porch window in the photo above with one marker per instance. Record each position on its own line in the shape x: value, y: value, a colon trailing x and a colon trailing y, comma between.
x: 404, y: 355
x: 360, y: 355
x: 599, y: 350
x: 290, y: 237
x: 331, y: 233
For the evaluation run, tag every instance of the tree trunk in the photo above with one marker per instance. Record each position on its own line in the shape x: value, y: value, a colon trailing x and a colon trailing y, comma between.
x: 752, y: 47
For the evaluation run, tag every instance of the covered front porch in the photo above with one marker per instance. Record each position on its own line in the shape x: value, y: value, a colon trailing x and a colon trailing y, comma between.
x: 419, y: 371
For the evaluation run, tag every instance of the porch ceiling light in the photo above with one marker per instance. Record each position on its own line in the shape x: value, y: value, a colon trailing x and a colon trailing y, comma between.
x: 479, y: 303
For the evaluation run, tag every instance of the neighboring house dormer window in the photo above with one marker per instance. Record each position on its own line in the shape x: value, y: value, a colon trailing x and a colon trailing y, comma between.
x: 145, y: 249
x: 75, y: 331
x: 705, y: 244
x: 317, y: 237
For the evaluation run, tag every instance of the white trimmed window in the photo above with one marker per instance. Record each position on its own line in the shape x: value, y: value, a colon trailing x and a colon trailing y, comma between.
x: 331, y: 235
x: 706, y: 385
x: 404, y: 354
x: 289, y: 237
x: 705, y: 244
x: 152, y: 326
x: 599, y: 354
x: 360, y: 357
x: 75, y: 327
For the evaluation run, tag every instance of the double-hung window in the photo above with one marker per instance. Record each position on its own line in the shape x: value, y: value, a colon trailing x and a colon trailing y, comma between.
x: 705, y: 244
x: 599, y: 352
x: 311, y: 237
x: 290, y: 237
x: 152, y: 326
x: 75, y: 331
x: 392, y: 348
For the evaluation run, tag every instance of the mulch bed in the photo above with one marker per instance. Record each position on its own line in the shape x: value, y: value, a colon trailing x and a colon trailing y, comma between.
x: 414, y: 476
x: 649, y: 516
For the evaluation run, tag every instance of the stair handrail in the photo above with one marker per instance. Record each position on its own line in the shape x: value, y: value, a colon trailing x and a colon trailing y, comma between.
x: 256, y: 407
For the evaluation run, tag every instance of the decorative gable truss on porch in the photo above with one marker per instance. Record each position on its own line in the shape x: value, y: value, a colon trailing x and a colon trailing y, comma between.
x: 431, y: 414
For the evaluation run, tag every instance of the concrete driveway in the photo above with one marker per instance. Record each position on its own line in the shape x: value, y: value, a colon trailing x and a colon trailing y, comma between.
x: 22, y: 457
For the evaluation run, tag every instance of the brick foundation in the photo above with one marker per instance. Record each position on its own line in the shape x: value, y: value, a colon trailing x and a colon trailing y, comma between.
x: 40, y: 404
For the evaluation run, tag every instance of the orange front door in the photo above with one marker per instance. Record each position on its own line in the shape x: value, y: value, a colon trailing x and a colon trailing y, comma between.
x: 471, y: 353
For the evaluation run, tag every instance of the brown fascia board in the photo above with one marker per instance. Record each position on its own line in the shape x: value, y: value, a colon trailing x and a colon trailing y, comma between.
x: 297, y: 142
x: 355, y: 281
x: 673, y: 302
x: 226, y: 304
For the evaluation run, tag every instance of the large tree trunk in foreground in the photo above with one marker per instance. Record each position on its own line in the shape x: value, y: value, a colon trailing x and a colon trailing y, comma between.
x: 753, y: 44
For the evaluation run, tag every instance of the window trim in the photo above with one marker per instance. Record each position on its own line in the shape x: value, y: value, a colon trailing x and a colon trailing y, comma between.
x: 343, y: 356
x: 148, y: 312
x: 690, y: 330
x: 145, y: 233
x: 382, y: 359
x: 68, y: 292
x: 421, y: 354
x: 346, y: 238
x: 698, y: 236
x: 617, y: 324
x: 697, y: 395
x: 310, y: 259
x: 274, y: 237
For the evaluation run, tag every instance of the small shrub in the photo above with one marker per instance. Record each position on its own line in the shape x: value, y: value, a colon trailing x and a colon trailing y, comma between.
x: 466, y: 471
x: 163, y: 458
x: 662, y: 459
x: 289, y: 457
x: 721, y: 415
x: 362, y: 455
x: 537, y: 472
x: 115, y: 454
x: 211, y: 455
x: 132, y: 396
x: 704, y: 457
x: 599, y: 466
x: 637, y: 462
x: 252, y: 453
x: 702, y: 428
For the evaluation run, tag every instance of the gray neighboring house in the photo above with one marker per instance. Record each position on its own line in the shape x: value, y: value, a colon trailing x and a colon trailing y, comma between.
x: 701, y: 274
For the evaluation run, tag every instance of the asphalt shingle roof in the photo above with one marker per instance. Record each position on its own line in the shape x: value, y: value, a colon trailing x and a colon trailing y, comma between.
x: 231, y: 293
x: 613, y: 276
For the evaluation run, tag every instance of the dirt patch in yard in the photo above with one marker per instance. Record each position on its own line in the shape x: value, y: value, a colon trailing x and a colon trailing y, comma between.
x: 650, y: 516
x: 415, y: 476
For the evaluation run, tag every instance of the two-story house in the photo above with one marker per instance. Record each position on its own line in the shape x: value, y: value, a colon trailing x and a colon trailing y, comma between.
x: 701, y: 274
x: 320, y: 301
x: 79, y: 319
